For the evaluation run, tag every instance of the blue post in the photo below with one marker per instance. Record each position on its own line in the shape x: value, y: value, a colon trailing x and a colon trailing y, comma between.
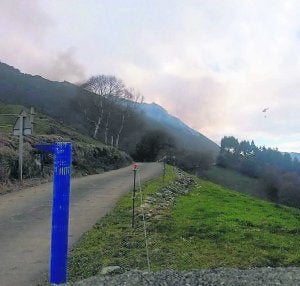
x: 60, y: 209
x: 60, y: 212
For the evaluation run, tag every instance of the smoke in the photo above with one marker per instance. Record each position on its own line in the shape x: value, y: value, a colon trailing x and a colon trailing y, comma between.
x: 24, y: 28
x: 62, y: 66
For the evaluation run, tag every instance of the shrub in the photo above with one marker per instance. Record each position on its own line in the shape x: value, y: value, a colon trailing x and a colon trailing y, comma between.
x: 9, y: 164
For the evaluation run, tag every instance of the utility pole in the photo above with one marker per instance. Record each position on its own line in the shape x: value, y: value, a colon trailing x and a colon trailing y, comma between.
x: 21, y: 127
x: 31, y: 117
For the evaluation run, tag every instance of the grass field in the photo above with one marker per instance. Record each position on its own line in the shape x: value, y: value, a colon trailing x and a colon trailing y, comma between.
x: 235, y: 181
x: 43, y: 125
x: 210, y: 227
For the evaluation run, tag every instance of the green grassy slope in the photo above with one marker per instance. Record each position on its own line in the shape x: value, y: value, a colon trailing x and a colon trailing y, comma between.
x: 210, y: 227
x: 215, y: 227
x: 43, y: 125
x: 89, y: 156
x: 235, y: 181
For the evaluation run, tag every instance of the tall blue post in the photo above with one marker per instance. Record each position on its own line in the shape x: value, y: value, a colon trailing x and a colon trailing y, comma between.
x: 60, y: 208
x: 60, y: 212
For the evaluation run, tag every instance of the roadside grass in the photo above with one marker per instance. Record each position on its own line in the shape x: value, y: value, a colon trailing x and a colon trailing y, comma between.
x: 215, y: 227
x: 113, y: 241
x: 210, y: 227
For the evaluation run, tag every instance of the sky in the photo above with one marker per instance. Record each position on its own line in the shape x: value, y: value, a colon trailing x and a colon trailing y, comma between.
x: 215, y: 64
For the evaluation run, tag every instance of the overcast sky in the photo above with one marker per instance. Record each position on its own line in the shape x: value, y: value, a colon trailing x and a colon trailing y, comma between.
x: 216, y: 64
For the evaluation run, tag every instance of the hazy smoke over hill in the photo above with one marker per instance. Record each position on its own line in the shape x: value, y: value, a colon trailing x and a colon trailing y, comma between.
x: 26, y: 44
x: 64, y: 67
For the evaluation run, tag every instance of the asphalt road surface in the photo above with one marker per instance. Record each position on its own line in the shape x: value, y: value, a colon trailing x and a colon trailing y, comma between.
x: 25, y: 220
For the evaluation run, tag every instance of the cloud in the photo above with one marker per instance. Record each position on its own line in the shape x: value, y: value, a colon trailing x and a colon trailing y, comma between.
x: 221, y: 64
x: 24, y: 26
x: 26, y: 19
x: 215, y: 64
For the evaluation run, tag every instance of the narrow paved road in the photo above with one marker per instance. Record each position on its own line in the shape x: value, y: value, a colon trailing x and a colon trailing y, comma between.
x: 25, y: 219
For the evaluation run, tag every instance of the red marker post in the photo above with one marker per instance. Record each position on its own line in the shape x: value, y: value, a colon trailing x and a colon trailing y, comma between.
x: 135, y: 169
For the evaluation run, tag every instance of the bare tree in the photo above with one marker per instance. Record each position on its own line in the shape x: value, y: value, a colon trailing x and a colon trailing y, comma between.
x: 128, y: 103
x: 107, y: 90
x: 106, y: 129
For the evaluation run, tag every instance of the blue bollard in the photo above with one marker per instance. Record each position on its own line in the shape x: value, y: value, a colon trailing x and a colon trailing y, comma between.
x: 60, y: 209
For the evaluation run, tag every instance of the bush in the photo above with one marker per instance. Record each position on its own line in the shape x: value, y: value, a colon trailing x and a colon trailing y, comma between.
x: 30, y: 166
x: 9, y: 164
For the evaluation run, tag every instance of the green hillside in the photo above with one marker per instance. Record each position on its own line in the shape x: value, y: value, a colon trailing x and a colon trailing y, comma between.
x: 236, y: 181
x: 89, y: 156
x: 43, y: 125
x: 209, y: 227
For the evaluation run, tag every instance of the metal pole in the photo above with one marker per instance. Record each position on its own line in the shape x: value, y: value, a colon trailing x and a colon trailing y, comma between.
x: 32, y: 118
x: 60, y: 212
x: 133, y: 196
x: 21, y: 117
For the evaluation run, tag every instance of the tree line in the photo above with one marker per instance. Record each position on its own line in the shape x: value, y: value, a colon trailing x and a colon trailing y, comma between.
x: 279, y: 171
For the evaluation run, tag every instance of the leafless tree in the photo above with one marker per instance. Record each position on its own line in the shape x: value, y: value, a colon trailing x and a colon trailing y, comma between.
x: 128, y: 103
x: 107, y: 90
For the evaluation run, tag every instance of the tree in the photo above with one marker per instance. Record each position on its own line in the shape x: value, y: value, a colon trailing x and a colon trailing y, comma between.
x: 128, y: 105
x: 152, y: 144
x: 104, y: 87
x: 194, y: 161
x: 230, y: 144
x: 114, y: 104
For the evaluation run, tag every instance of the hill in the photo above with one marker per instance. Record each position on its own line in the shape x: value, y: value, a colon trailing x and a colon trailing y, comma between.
x: 66, y: 103
x: 89, y: 156
x: 191, y: 224
x: 185, y: 136
x: 236, y: 181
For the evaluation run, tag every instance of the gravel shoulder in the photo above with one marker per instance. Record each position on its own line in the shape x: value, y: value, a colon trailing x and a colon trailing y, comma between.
x: 25, y: 218
x: 266, y: 276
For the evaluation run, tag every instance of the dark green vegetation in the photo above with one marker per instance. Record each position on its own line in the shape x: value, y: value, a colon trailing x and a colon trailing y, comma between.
x: 153, y: 144
x: 251, y: 160
x: 89, y: 156
x: 210, y: 227
x: 279, y: 173
x: 105, y: 109
x: 234, y: 180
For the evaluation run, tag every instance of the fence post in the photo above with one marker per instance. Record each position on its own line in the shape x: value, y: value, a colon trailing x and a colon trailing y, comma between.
x: 21, y: 127
x: 135, y: 168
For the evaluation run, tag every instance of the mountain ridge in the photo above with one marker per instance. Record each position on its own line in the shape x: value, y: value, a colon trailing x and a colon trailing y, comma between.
x: 57, y: 99
x: 159, y: 114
